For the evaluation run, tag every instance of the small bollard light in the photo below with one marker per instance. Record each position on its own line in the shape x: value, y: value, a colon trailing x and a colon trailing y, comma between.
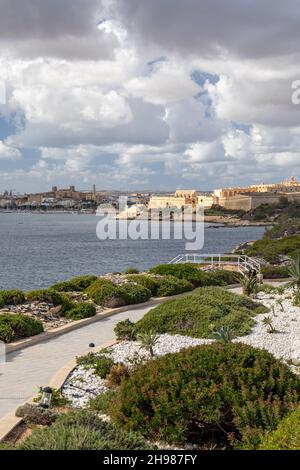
x: 92, y: 346
x: 46, y: 397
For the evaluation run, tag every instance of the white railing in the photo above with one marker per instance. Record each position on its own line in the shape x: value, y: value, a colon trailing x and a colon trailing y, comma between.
x: 243, y: 262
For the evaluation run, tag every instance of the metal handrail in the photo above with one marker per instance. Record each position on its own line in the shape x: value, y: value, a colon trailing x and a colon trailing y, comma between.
x: 244, y: 262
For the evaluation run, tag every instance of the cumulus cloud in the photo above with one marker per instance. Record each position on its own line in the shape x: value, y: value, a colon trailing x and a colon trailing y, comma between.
x: 9, y: 153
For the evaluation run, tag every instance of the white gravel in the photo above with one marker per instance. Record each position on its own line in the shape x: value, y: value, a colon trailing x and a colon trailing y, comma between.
x: 81, y: 385
x: 284, y: 344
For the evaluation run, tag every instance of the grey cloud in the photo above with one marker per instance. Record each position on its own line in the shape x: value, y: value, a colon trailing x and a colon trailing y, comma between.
x: 248, y: 28
x: 54, y: 28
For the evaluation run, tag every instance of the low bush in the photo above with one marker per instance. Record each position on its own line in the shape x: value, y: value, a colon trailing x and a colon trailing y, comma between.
x: 33, y: 414
x: 106, y: 293
x: 18, y: 326
x: 217, y: 394
x: 286, y: 436
x: 272, y: 250
x: 11, y: 297
x: 100, y: 363
x: 131, y: 271
x: 134, y: 294
x: 162, y: 286
x: 170, y: 285
x: 82, y: 310
x: 195, y: 275
x: 82, y: 430
x: 125, y: 330
x: 93, y: 288
x: 102, y: 403
x: 275, y: 272
x: 201, y: 313
x: 144, y: 280
x: 78, y: 283
x: 188, y: 272
x: 53, y: 297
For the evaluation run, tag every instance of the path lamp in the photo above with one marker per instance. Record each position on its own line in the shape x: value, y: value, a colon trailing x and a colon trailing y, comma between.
x: 46, y: 397
x: 92, y: 346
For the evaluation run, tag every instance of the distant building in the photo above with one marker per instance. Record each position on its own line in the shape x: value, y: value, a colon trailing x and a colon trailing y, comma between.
x: 250, y: 197
x: 180, y: 199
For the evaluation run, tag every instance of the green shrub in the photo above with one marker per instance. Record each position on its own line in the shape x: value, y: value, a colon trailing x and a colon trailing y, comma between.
x: 134, y: 294
x: 162, y: 286
x: 100, y: 363
x: 33, y: 414
x: 106, y: 293
x: 195, y: 275
x: 2, y: 303
x: 202, y: 312
x: 144, y: 280
x: 208, y: 394
x: 53, y: 297
x: 83, y: 430
x: 286, y: 436
x: 170, y: 285
x: 18, y: 326
x: 296, y: 298
x: 125, y: 330
x: 7, y: 334
x: 93, y: 288
x: 270, y: 250
x: 82, y: 310
x: 102, y: 403
x: 131, y: 271
x: 13, y: 297
x: 275, y: 272
x: 78, y: 283
x: 188, y: 272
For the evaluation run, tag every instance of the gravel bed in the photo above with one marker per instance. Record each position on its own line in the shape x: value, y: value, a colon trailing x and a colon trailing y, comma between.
x: 82, y: 385
x: 285, y: 342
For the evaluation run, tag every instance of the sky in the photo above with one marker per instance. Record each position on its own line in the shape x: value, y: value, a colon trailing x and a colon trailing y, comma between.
x: 140, y: 94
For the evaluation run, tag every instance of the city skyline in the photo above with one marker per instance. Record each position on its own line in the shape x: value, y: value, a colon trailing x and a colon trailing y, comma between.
x: 147, y: 96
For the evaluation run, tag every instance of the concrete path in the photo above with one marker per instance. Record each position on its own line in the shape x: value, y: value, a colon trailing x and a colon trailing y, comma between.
x: 26, y: 370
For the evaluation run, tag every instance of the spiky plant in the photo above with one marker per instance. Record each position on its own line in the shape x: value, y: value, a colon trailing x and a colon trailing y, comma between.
x: 280, y: 303
x: 294, y: 272
x: 267, y: 321
x: 224, y: 334
x: 249, y: 285
x: 148, y: 340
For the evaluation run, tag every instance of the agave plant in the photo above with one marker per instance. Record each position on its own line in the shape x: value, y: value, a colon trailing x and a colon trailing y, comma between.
x: 267, y: 321
x: 225, y: 334
x: 280, y: 303
x: 294, y: 272
x: 249, y: 285
x: 148, y: 340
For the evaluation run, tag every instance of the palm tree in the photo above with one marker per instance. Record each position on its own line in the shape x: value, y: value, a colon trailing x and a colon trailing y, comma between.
x: 294, y: 272
x: 148, y: 340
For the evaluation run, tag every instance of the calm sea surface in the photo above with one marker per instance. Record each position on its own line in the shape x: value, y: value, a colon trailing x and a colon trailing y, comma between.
x: 38, y: 250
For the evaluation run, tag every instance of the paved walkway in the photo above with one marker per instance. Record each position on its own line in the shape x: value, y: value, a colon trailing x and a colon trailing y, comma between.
x: 26, y: 370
